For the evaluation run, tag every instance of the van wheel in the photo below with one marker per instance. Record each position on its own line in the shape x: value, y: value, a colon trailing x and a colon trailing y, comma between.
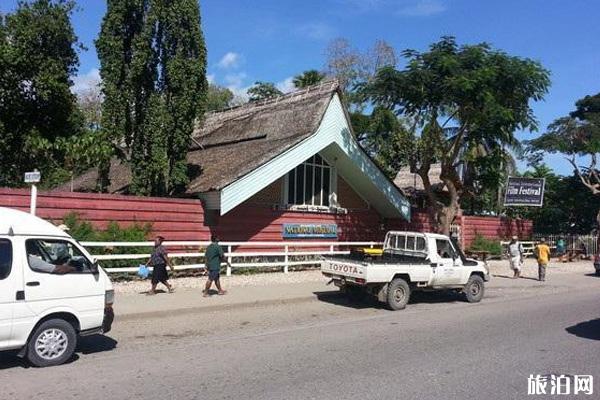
x: 474, y: 289
x: 52, y: 343
x: 398, y: 294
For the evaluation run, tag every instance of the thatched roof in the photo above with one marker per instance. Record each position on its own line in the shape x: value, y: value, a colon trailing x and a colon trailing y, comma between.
x: 411, y: 183
x: 236, y: 141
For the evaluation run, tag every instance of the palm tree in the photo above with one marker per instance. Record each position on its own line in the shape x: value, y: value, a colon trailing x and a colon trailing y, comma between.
x: 308, y: 78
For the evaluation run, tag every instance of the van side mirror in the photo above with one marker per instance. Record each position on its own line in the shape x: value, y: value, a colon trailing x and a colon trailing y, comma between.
x: 95, y: 267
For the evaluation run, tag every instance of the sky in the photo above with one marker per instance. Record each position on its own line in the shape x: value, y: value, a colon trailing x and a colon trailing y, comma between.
x: 273, y: 40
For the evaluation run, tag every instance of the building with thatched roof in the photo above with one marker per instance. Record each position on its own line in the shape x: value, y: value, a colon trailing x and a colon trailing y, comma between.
x: 293, y: 153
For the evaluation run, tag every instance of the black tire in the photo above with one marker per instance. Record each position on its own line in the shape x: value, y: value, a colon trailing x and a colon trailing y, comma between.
x: 52, y: 343
x: 598, y: 272
x: 474, y: 289
x: 354, y: 294
x: 398, y: 294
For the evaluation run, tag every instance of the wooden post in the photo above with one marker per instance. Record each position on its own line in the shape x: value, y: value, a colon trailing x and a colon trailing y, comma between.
x: 286, y: 261
x: 229, y: 258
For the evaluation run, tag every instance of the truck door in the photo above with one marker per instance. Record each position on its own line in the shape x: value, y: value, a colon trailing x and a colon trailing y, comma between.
x: 446, y: 267
x: 9, y: 286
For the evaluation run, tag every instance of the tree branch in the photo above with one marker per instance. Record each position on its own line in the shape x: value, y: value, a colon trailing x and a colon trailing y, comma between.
x: 595, y: 188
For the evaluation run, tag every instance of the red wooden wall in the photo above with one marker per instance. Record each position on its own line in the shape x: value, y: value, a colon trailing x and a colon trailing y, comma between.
x: 183, y: 219
x: 493, y: 228
x: 176, y: 219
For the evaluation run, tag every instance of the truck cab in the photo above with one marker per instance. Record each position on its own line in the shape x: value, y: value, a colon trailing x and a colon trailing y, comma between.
x: 52, y: 291
x: 411, y: 261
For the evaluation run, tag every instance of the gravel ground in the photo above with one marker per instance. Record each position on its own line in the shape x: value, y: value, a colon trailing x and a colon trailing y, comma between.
x: 497, y: 267
x: 261, y: 279
x: 502, y: 267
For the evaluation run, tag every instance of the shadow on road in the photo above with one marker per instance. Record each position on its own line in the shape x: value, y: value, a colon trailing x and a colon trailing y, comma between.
x: 9, y: 359
x: 593, y: 275
x: 587, y: 330
x: 368, y: 301
x: 87, y: 345
x: 96, y: 344
x: 521, y: 277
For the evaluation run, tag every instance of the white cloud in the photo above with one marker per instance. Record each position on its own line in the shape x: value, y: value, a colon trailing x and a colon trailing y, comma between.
x: 286, y: 85
x: 422, y: 8
x: 316, y: 31
x: 210, y: 78
x: 237, y: 84
x: 86, y: 82
x: 229, y: 60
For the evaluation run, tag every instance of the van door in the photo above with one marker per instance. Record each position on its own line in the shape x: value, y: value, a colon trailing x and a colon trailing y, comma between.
x: 447, y: 268
x: 10, y: 284
x: 59, y: 276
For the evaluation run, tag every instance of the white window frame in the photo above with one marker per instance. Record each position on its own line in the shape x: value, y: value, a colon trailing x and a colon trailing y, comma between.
x: 332, y: 187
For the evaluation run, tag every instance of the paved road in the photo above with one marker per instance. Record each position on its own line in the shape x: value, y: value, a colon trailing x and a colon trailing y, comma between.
x: 438, y: 348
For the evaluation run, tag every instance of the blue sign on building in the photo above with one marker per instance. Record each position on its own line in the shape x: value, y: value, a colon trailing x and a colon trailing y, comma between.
x: 291, y: 231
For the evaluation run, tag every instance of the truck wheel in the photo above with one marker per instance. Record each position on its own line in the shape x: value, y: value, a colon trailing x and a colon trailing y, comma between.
x: 52, y: 343
x: 474, y: 289
x: 355, y: 294
x: 398, y: 294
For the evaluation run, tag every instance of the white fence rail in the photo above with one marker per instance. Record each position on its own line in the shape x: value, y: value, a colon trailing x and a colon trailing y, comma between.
x: 586, y: 244
x: 288, y: 250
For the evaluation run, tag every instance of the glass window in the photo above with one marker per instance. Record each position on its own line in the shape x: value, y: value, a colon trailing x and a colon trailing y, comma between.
x: 444, y: 249
x: 6, y: 255
x: 309, y: 183
x: 55, y: 257
x: 410, y: 243
x: 401, y: 242
x: 421, y: 244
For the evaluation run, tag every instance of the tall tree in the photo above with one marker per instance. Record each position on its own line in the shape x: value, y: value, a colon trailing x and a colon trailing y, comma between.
x: 38, y: 58
x: 353, y: 68
x: 308, y: 78
x: 153, y: 68
x: 577, y: 136
x: 483, y: 93
x: 263, y: 91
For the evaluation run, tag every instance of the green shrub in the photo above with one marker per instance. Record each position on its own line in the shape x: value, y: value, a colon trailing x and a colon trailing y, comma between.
x: 480, y: 243
x: 84, y: 231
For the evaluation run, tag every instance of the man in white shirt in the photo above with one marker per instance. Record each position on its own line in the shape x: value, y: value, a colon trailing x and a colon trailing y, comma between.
x: 515, y: 256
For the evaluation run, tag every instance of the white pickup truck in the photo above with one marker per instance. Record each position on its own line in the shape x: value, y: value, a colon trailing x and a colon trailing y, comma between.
x: 411, y: 261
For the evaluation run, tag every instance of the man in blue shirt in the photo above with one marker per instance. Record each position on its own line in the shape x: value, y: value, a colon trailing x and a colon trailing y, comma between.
x: 214, y: 255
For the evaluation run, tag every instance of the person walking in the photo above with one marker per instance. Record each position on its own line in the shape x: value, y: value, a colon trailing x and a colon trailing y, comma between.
x: 515, y: 256
x: 214, y: 255
x: 159, y: 259
x: 542, y: 252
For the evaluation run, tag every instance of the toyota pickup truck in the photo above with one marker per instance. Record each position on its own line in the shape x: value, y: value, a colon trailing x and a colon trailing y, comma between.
x: 411, y: 261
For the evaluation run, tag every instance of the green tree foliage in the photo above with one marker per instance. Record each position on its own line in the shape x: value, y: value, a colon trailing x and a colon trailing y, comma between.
x: 483, y: 93
x: 37, y: 109
x: 263, y: 91
x: 218, y: 98
x: 567, y: 208
x: 576, y: 135
x: 308, y: 78
x: 153, y: 68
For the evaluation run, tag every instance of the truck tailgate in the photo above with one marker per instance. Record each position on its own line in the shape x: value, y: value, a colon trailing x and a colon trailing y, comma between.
x: 342, y: 267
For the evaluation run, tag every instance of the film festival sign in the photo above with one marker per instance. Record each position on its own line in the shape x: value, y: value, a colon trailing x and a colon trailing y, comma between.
x: 524, y: 192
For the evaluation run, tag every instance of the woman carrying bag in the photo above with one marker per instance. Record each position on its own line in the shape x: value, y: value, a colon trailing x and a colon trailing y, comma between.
x: 159, y: 259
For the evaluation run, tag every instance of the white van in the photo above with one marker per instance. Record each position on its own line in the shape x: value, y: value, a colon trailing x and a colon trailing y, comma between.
x: 51, y: 290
